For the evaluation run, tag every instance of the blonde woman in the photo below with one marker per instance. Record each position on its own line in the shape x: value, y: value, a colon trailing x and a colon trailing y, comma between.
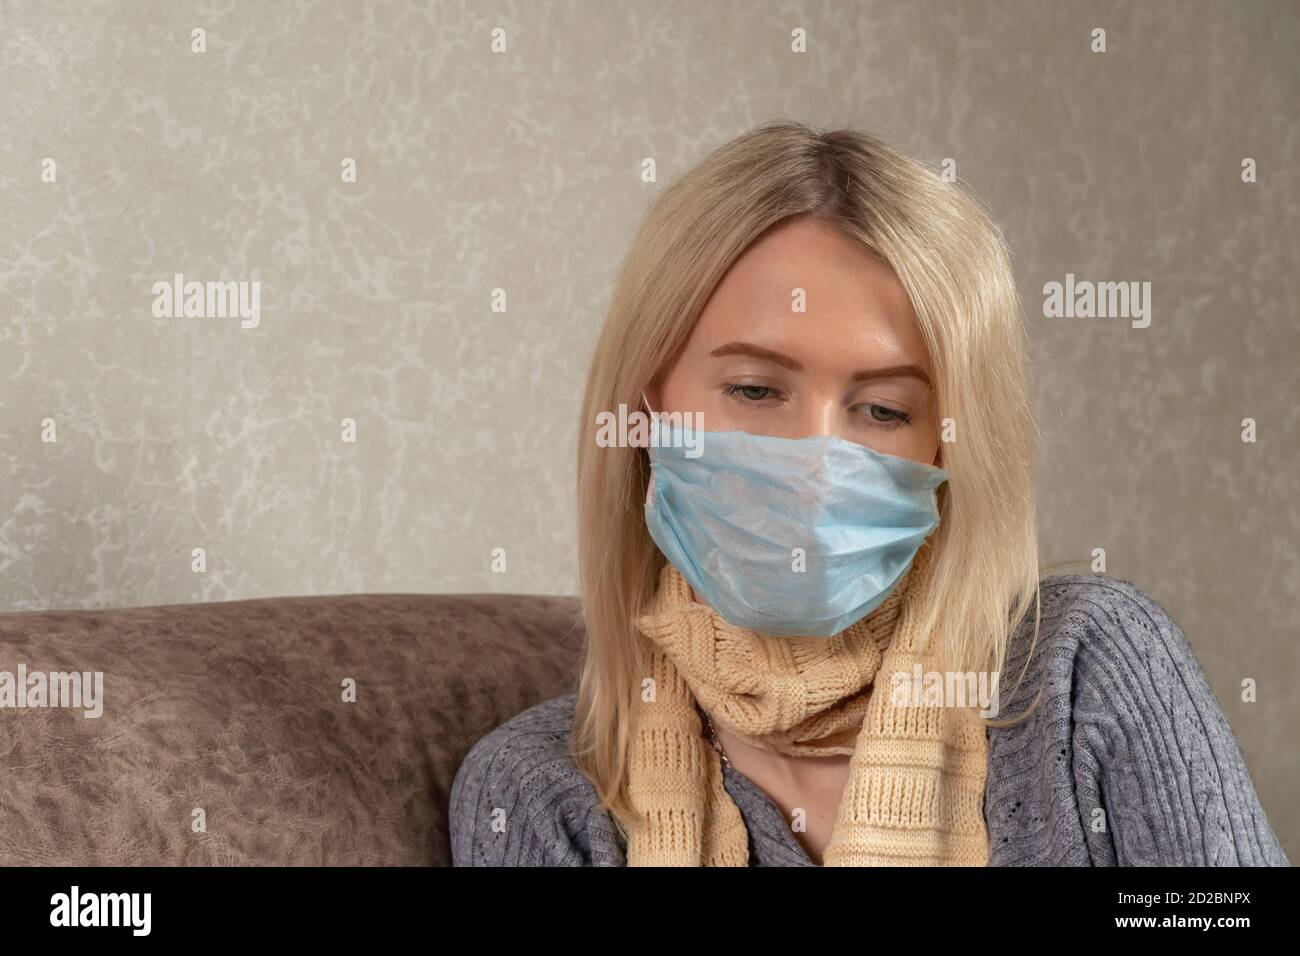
x: 805, y: 575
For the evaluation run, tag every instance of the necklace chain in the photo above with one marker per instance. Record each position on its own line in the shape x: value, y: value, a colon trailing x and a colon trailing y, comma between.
x: 713, y: 737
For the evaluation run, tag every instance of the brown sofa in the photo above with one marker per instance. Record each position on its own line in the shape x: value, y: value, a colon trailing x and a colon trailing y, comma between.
x: 237, y: 708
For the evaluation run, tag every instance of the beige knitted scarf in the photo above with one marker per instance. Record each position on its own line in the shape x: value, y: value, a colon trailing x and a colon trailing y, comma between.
x: 917, y: 773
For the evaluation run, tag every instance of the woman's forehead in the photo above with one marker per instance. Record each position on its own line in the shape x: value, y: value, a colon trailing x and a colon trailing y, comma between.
x: 809, y: 293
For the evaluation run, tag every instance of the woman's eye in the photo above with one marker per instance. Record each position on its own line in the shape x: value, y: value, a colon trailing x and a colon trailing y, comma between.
x: 884, y: 415
x: 881, y: 415
x: 750, y: 393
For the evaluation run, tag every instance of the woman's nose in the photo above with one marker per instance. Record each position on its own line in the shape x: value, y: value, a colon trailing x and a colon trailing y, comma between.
x: 818, y: 417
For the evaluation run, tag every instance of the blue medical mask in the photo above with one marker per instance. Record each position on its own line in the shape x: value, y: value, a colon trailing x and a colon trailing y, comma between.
x: 788, y: 537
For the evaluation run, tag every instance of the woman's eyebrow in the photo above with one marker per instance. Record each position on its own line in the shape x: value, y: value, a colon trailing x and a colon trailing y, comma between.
x: 893, y: 371
x: 757, y: 351
x: 744, y: 348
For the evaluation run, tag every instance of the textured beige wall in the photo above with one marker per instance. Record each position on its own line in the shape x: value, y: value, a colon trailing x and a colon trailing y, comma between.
x: 520, y: 170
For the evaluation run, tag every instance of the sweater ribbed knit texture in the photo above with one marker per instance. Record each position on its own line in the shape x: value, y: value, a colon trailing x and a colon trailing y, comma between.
x: 916, y: 771
x: 1128, y: 761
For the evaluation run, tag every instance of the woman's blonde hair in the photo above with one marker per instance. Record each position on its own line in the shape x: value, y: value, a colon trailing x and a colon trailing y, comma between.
x: 955, y: 267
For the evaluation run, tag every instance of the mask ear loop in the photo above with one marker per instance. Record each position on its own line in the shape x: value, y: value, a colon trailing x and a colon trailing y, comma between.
x: 654, y: 418
x: 650, y: 438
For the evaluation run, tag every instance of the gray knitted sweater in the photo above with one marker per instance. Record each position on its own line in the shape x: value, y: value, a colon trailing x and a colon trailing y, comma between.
x: 1128, y: 725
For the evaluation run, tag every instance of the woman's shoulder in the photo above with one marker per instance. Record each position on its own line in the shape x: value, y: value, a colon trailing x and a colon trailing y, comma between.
x: 543, y: 729
x: 1094, y: 620
x: 1122, y: 675
x: 1100, y: 604
x: 1116, y: 657
x: 518, y: 799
